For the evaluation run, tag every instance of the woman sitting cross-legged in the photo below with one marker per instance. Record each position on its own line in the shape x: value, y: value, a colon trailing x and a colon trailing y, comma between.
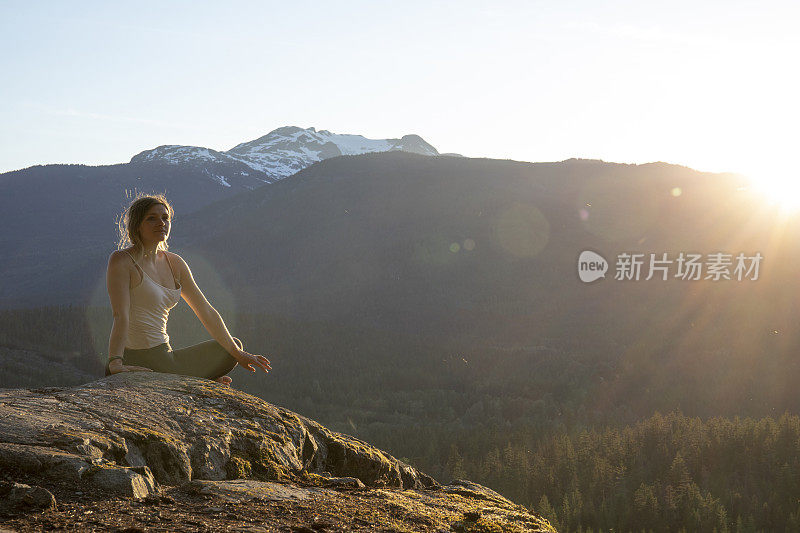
x: 144, y: 282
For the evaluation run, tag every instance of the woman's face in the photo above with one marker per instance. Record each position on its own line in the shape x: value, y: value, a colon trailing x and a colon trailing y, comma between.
x: 155, y: 226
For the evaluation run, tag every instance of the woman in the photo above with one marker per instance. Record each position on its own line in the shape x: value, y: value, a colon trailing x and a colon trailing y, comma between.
x: 144, y: 282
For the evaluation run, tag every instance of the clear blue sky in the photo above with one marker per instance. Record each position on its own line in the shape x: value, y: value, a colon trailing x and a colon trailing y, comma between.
x: 712, y: 85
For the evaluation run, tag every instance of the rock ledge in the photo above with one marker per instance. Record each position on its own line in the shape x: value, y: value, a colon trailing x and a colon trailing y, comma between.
x: 132, y: 435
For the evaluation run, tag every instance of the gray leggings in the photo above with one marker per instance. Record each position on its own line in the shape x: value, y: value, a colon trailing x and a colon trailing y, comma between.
x: 205, y: 360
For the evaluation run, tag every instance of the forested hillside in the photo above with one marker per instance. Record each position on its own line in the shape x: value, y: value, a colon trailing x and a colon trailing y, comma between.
x: 664, y: 473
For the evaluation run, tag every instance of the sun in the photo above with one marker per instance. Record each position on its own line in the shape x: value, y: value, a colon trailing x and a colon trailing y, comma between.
x: 779, y: 187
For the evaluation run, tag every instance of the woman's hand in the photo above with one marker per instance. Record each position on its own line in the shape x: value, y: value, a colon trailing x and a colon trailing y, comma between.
x: 247, y: 360
x: 116, y: 366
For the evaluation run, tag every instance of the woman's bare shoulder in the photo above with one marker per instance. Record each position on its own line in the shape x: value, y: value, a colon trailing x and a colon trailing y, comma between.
x: 173, y: 255
x: 121, y: 257
x: 176, y: 260
x: 120, y: 263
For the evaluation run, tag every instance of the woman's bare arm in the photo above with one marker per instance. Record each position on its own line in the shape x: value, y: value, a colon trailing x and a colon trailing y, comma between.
x: 118, y: 283
x: 212, y: 320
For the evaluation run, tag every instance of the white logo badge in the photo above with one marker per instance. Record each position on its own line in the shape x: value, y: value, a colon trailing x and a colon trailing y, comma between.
x: 591, y: 266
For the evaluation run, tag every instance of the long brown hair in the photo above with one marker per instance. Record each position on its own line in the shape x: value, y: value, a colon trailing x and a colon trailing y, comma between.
x: 129, y: 221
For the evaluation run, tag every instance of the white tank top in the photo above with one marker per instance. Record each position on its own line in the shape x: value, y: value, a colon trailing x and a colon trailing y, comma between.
x: 150, y: 306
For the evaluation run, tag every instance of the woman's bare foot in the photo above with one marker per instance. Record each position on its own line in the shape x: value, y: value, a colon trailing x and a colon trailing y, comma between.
x: 225, y: 380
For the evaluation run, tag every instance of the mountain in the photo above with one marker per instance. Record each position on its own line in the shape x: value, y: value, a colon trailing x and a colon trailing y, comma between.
x: 186, y: 447
x: 412, y: 242
x: 446, y: 244
x: 282, y: 152
x: 402, y: 239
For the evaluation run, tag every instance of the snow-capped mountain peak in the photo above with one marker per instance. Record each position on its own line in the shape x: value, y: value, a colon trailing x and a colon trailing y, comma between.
x: 285, y: 150
x: 175, y: 153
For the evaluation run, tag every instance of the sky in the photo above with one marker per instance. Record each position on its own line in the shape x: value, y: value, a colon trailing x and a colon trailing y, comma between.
x: 711, y: 85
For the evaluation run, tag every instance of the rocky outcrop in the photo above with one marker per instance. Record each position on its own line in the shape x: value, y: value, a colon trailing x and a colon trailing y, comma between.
x: 135, y: 434
x: 15, y: 495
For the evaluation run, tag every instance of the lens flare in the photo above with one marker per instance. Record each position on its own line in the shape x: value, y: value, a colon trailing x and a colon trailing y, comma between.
x: 522, y: 230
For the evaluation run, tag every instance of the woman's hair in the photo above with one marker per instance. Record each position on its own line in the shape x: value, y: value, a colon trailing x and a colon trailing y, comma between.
x: 130, y: 220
